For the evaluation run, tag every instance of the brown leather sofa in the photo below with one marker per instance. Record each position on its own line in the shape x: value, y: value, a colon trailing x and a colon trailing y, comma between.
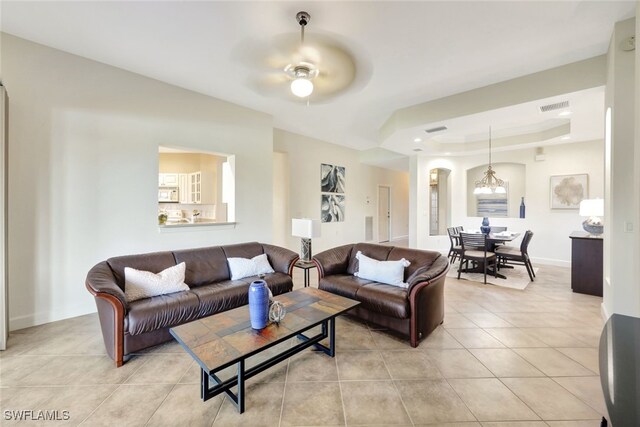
x: 412, y: 312
x: 130, y: 327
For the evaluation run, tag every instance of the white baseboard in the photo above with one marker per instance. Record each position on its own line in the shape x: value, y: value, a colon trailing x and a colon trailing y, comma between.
x: 396, y: 238
x: 603, y: 312
x: 26, y: 321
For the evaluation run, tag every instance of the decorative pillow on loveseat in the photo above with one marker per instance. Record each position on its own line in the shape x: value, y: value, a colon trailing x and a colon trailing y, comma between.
x: 140, y: 284
x: 245, y: 267
x: 388, y: 272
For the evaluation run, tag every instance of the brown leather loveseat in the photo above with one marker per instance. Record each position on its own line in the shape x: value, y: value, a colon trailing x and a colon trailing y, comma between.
x: 130, y: 327
x: 413, y: 312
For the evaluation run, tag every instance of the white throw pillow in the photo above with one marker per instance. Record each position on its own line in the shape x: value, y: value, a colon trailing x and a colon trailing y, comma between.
x: 388, y: 272
x: 245, y: 267
x: 145, y: 284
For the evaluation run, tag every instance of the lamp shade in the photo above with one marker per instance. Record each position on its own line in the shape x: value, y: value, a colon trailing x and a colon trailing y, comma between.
x: 592, y: 207
x: 305, y: 228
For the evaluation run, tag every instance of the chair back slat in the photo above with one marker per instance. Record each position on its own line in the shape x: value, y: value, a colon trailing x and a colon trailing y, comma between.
x: 473, y: 240
x: 451, y: 231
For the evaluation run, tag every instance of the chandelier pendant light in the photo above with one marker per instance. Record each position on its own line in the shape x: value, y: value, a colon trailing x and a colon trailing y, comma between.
x: 490, y: 183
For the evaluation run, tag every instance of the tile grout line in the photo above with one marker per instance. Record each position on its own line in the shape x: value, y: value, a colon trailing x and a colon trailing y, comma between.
x: 170, y: 391
x: 114, y: 390
x: 395, y: 386
x: 578, y: 397
x: 344, y: 409
x: 284, y: 390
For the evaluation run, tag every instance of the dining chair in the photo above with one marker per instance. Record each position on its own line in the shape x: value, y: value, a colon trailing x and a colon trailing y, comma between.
x: 455, y: 249
x: 518, y: 256
x: 474, y: 248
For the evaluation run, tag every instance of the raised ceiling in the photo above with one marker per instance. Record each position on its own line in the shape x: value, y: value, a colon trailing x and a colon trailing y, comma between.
x: 406, y: 52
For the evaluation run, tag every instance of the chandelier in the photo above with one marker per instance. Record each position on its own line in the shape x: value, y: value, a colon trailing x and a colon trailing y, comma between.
x: 490, y: 183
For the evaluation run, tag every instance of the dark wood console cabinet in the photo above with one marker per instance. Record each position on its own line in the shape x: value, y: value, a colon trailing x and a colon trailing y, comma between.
x: 586, y: 263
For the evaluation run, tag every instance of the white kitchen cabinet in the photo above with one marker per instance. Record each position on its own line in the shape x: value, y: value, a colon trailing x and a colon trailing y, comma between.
x: 168, y: 180
x: 183, y: 187
x: 195, y: 187
x: 202, y: 188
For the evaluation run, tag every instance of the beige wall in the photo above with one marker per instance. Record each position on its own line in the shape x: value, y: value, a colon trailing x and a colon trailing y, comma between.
x: 83, y: 172
x: 303, y: 158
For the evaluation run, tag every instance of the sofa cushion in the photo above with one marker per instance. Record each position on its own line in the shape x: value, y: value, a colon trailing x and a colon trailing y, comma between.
x: 149, y: 314
x: 243, y: 250
x: 279, y: 283
x: 378, y: 252
x: 386, y: 299
x: 417, y: 258
x: 229, y: 294
x: 221, y: 296
x: 154, y: 262
x: 344, y: 285
x: 204, y: 265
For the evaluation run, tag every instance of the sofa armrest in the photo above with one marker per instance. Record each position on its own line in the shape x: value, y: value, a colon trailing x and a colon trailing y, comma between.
x: 333, y: 261
x: 281, y: 259
x: 426, y: 274
x: 100, y: 279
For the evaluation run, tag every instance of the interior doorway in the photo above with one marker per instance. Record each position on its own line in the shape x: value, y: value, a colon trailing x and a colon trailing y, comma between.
x: 384, y: 213
x: 439, y: 202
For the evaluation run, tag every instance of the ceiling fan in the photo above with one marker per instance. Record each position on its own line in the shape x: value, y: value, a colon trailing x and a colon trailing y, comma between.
x: 312, y: 67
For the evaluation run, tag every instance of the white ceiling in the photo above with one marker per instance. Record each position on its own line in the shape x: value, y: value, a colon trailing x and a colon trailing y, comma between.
x: 514, y: 127
x: 406, y: 52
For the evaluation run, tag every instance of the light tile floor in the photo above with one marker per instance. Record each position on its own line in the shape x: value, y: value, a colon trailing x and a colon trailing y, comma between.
x: 503, y: 357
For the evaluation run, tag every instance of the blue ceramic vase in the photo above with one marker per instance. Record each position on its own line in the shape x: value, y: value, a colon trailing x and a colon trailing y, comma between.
x: 485, y: 226
x: 258, y: 304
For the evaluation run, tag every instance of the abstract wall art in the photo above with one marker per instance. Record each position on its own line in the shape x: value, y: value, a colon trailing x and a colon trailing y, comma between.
x: 332, y: 178
x: 332, y: 208
x: 567, y: 191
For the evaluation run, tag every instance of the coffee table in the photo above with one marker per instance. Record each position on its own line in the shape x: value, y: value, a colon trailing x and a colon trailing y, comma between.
x: 221, y: 340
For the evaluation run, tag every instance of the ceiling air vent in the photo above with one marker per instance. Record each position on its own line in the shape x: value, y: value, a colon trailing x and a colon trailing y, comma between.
x: 552, y: 107
x: 417, y: 149
x: 436, y: 129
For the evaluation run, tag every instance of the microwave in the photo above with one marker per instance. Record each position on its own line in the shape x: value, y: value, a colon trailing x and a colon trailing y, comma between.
x: 168, y: 195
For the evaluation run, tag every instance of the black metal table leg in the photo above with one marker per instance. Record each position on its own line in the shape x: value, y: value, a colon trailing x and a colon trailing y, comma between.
x: 332, y: 337
x: 240, y: 393
x: 225, y: 386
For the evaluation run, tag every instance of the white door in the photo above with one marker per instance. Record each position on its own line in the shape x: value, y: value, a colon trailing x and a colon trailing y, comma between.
x: 4, y: 303
x: 384, y: 213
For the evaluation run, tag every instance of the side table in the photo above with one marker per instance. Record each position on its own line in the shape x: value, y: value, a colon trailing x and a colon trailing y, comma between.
x: 306, y: 266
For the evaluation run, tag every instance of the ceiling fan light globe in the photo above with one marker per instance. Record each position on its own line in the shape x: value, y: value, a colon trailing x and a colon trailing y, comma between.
x: 302, y: 87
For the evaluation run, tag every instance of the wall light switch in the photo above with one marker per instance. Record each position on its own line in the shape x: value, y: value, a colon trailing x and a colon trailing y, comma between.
x: 628, y: 227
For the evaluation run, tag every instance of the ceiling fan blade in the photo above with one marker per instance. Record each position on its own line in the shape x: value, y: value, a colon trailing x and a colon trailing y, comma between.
x: 267, y: 59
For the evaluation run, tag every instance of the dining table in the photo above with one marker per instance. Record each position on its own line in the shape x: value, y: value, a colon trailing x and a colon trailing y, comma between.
x: 493, y: 240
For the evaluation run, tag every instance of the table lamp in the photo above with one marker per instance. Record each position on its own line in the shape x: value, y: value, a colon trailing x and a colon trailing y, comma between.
x: 593, y: 209
x: 306, y: 229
